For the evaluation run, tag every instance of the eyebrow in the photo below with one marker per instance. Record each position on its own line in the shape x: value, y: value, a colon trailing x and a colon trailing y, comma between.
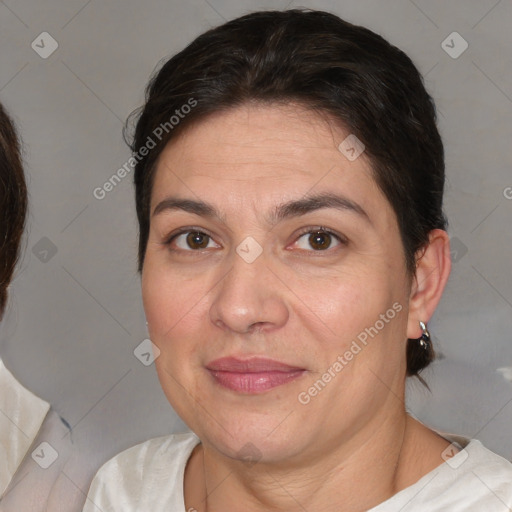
x: 281, y: 212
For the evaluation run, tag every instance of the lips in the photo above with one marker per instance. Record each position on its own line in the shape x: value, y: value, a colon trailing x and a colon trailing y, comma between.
x: 253, y: 375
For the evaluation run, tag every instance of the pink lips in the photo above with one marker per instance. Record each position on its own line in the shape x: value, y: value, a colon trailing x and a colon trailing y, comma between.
x: 252, y: 375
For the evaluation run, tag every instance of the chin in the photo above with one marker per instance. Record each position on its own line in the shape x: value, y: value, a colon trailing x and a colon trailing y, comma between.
x: 253, y: 437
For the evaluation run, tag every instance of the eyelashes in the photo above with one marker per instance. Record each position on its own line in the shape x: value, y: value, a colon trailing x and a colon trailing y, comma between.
x: 193, y: 237
x: 194, y: 240
x: 318, y: 236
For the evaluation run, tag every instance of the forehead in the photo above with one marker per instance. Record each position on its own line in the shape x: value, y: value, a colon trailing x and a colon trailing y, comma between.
x: 260, y: 131
x: 262, y: 154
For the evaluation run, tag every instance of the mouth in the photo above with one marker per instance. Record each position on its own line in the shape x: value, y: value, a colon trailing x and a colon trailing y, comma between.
x: 252, y: 376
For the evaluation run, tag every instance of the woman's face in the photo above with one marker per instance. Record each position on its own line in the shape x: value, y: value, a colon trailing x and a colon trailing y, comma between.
x: 274, y: 285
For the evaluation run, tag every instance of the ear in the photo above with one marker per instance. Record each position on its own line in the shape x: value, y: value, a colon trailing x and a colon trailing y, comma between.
x: 432, y: 271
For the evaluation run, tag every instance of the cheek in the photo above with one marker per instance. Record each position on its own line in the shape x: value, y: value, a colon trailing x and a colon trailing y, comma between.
x: 174, y: 313
x: 359, y: 350
x: 344, y: 303
x: 171, y: 302
x: 363, y: 318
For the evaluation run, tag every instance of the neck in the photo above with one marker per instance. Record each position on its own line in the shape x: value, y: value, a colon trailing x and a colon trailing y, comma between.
x: 379, y: 460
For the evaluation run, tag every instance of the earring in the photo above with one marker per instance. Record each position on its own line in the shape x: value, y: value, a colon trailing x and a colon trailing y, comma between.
x: 425, y: 336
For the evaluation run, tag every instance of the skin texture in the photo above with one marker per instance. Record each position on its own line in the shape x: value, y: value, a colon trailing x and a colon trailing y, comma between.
x: 353, y: 445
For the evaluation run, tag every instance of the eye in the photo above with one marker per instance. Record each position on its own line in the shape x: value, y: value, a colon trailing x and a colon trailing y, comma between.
x: 319, y: 240
x: 191, y: 240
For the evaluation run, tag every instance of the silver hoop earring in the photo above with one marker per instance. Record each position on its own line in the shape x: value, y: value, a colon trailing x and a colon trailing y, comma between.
x: 425, y: 336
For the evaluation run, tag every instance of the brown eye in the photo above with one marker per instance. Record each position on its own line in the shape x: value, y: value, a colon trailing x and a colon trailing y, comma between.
x: 191, y: 241
x: 320, y: 240
x: 197, y: 240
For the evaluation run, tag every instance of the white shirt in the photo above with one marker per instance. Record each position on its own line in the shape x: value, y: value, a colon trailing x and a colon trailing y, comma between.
x: 34, y: 448
x: 149, y: 478
x: 21, y: 415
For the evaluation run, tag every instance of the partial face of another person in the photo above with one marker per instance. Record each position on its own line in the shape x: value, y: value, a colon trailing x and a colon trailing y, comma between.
x: 259, y: 347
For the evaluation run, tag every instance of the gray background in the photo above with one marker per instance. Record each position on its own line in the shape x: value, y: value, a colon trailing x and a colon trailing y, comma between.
x: 75, y: 317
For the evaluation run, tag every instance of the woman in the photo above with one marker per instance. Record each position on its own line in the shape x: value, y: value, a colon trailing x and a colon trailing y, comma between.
x: 33, y: 443
x: 292, y: 250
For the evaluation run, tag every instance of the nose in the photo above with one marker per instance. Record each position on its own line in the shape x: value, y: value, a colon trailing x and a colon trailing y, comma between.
x: 249, y: 298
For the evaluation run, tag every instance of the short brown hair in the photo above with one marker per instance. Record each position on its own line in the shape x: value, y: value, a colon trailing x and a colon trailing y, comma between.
x: 13, y: 202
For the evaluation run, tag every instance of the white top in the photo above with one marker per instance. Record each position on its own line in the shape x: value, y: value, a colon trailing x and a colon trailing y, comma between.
x: 149, y: 477
x: 34, y: 448
x: 21, y: 415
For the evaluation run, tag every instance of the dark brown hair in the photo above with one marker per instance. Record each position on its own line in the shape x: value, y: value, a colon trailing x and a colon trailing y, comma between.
x: 13, y: 203
x: 342, y: 71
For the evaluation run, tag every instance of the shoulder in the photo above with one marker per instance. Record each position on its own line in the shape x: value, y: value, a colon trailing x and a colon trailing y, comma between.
x: 148, y: 466
x: 494, y: 471
x: 474, y: 478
